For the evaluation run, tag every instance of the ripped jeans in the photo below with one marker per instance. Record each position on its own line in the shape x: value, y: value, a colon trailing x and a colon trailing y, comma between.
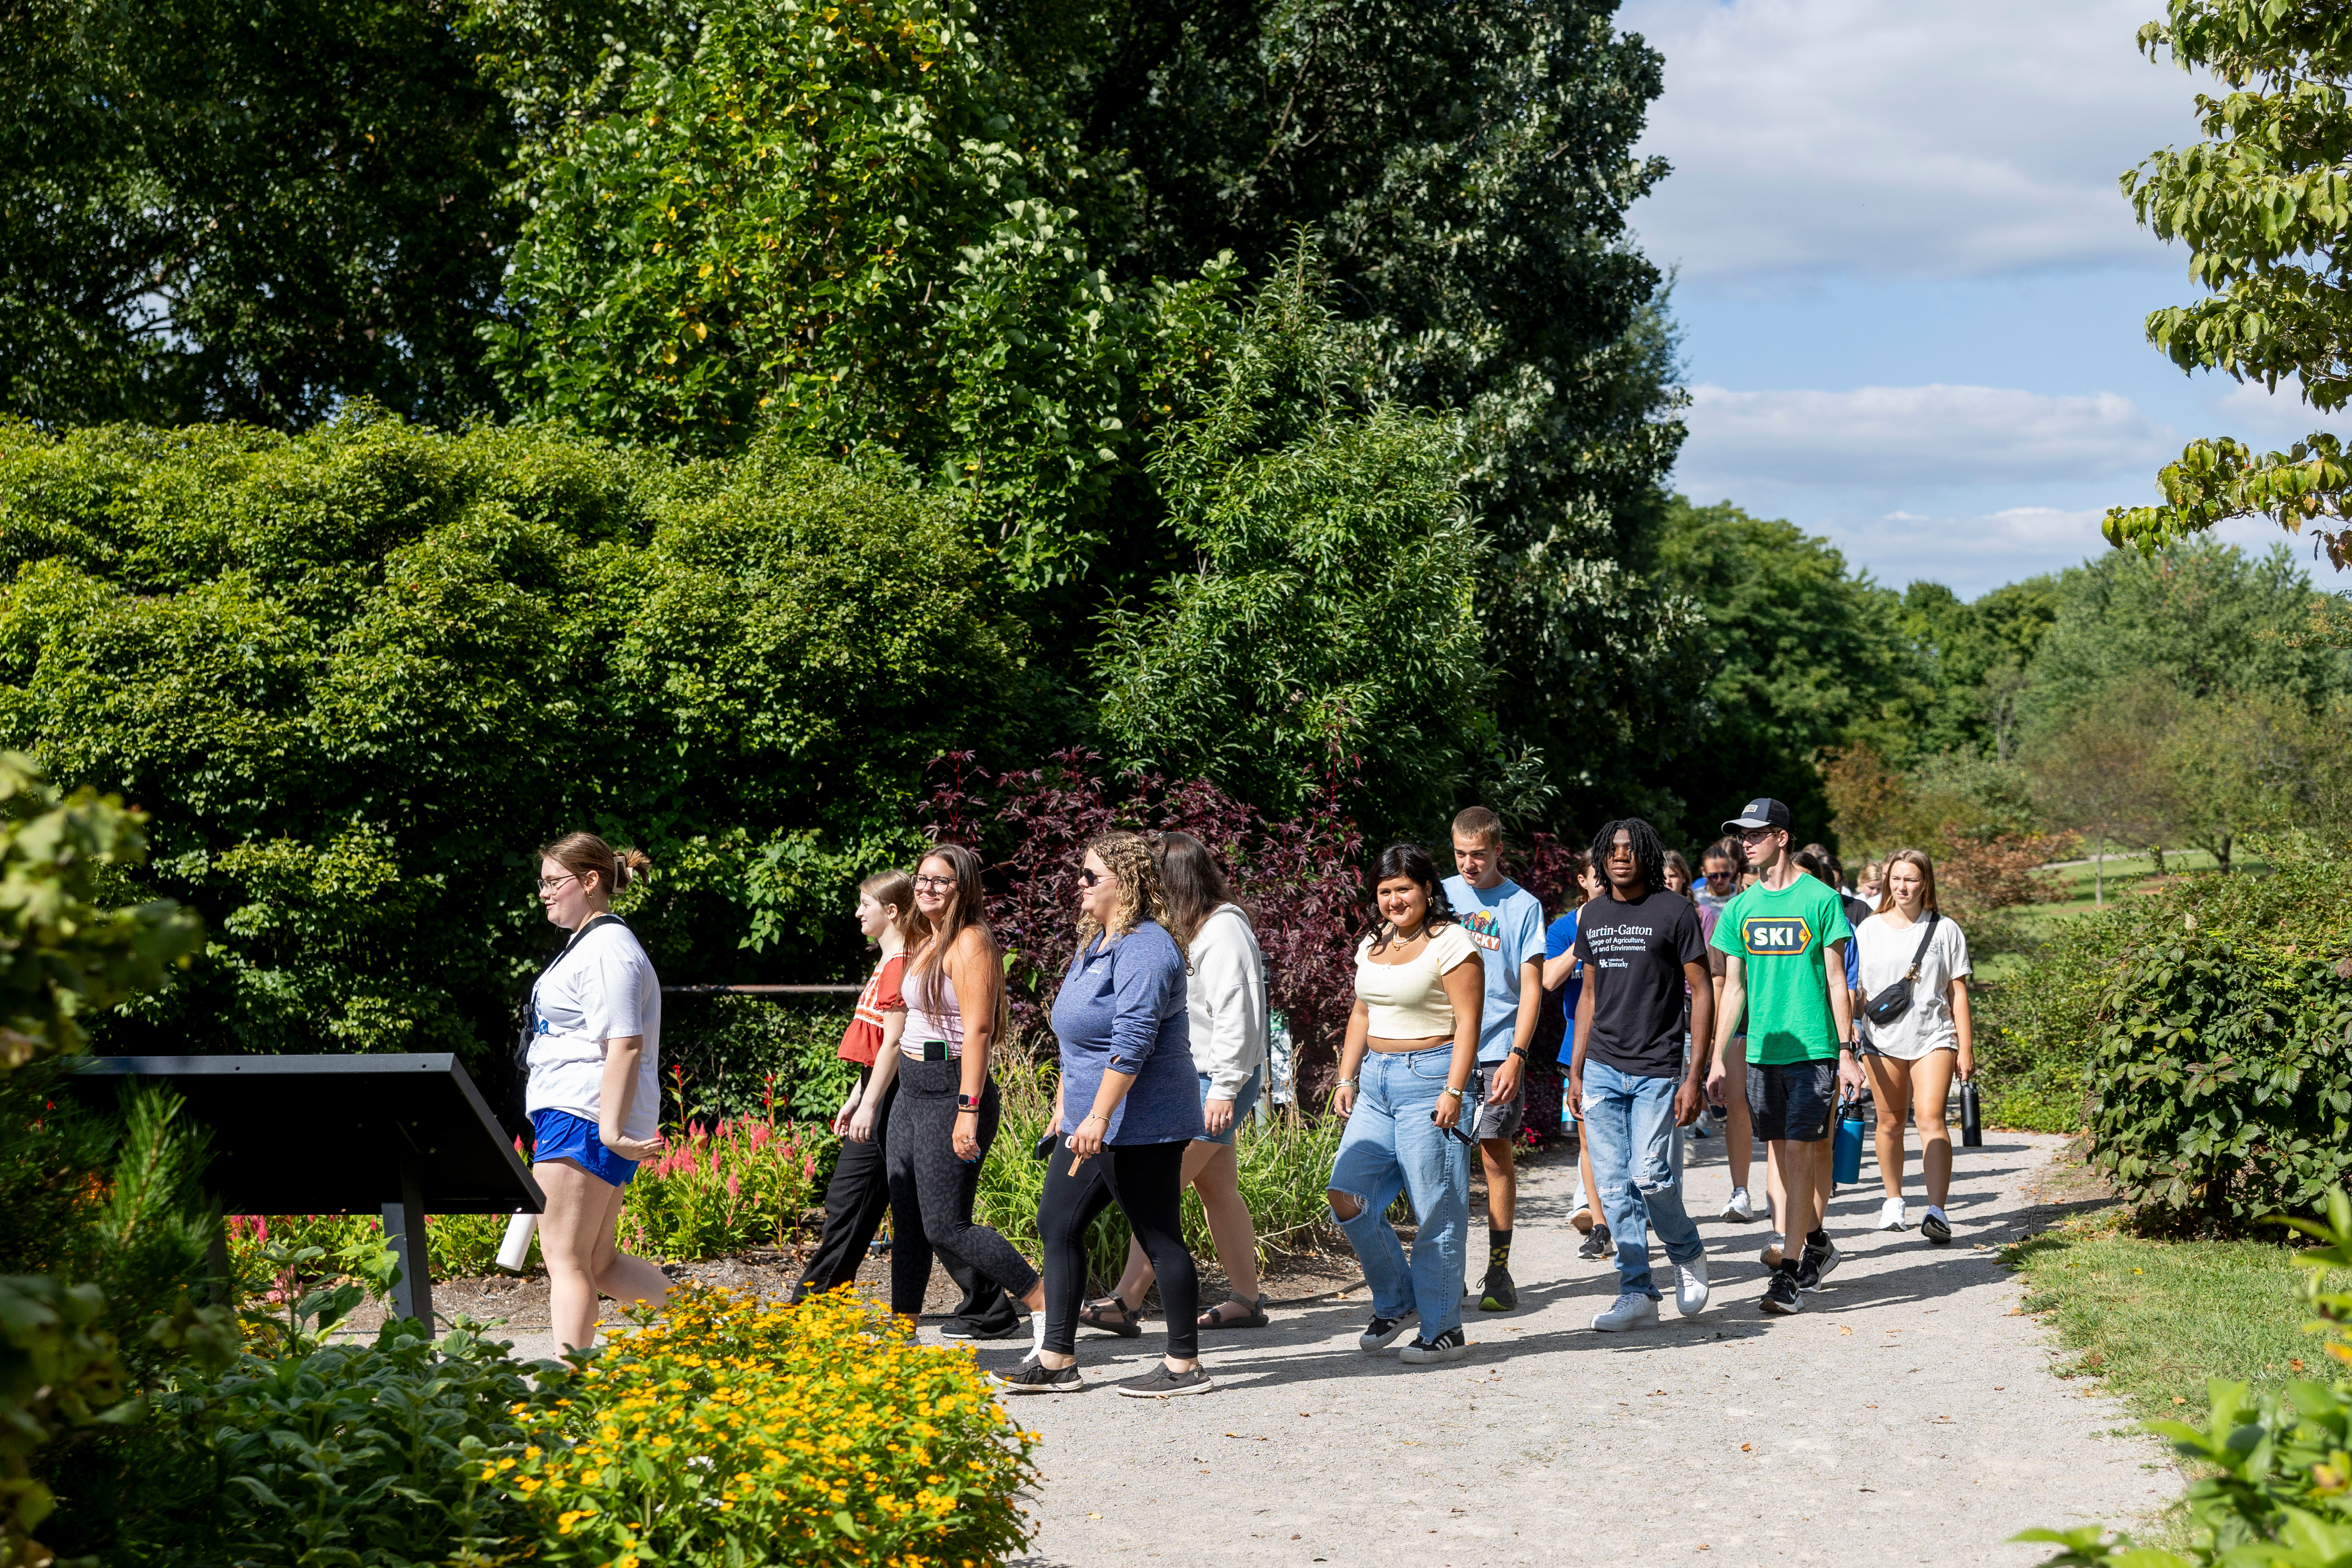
x: 1629, y: 1125
x: 1391, y: 1146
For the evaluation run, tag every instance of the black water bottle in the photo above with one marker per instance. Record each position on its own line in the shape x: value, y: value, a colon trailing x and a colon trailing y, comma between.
x: 1971, y: 1123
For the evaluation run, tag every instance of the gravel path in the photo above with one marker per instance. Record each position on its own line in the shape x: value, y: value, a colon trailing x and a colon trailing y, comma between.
x: 1907, y: 1415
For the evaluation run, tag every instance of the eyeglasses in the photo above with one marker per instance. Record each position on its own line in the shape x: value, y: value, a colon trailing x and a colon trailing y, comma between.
x: 936, y: 884
x: 1089, y: 878
x: 550, y: 883
x: 1752, y: 835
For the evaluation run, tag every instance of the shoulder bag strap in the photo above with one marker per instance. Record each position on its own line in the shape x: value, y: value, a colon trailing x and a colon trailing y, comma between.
x: 1925, y: 933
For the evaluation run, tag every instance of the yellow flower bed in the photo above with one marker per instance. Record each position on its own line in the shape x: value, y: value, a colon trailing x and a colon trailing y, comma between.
x: 739, y: 1431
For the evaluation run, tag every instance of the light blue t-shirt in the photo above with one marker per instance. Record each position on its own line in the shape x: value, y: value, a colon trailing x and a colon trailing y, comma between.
x: 1507, y: 925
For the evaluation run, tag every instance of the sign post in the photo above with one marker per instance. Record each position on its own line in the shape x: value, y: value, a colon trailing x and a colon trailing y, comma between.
x: 396, y: 1135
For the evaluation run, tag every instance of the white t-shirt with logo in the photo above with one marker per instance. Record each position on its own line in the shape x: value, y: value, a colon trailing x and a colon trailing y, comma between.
x: 604, y: 989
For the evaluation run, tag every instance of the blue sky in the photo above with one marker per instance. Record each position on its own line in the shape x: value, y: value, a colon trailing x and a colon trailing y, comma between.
x: 1909, y: 289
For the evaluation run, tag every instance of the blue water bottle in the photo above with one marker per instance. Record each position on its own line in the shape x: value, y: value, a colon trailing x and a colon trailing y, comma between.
x: 1845, y: 1163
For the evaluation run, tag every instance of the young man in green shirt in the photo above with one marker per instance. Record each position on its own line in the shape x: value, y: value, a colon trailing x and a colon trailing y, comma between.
x: 1784, y: 942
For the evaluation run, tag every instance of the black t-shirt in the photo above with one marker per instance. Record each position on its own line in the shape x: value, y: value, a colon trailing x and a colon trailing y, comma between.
x: 1634, y: 955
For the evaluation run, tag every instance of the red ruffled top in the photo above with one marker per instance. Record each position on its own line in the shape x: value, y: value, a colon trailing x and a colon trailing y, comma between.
x: 863, y: 1038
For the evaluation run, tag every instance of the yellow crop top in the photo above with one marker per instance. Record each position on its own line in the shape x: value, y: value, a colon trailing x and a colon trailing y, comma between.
x: 1408, y: 1002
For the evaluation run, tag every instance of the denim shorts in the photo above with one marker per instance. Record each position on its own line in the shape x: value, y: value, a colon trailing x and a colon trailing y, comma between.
x: 1243, y: 1103
x: 561, y: 1136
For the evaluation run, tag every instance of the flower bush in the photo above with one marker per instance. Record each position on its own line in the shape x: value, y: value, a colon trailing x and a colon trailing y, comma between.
x: 744, y: 1182
x: 737, y: 1430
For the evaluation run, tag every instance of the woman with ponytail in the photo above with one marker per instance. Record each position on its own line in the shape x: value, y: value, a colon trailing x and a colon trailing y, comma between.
x: 594, y: 1092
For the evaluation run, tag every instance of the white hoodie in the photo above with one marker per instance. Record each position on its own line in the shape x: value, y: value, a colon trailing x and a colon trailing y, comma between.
x: 1225, y: 1000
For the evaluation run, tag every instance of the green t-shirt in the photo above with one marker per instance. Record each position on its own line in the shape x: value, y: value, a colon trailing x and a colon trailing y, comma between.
x: 1782, y: 939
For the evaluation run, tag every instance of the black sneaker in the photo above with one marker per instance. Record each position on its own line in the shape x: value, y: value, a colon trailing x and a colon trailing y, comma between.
x: 1448, y: 1346
x: 1162, y: 1384
x: 1820, y: 1262
x: 1597, y: 1244
x: 1934, y: 1227
x: 1033, y: 1376
x: 1382, y: 1332
x: 1780, y: 1296
x: 1809, y: 1272
x: 1500, y: 1295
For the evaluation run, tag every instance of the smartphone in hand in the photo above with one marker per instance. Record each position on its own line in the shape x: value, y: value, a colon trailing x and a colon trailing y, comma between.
x: 1043, y: 1149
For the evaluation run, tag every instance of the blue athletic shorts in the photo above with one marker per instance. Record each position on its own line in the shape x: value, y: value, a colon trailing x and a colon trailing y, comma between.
x: 561, y: 1136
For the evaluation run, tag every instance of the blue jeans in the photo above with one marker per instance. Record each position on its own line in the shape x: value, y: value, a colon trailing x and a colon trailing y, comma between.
x: 1391, y: 1146
x: 1629, y: 1124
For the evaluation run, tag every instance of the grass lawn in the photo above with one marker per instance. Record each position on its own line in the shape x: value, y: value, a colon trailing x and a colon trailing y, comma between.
x: 2127, y: 876
x: 2153, y: 1320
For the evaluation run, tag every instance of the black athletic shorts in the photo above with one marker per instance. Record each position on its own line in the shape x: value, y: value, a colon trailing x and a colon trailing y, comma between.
x: 1791, y: 1101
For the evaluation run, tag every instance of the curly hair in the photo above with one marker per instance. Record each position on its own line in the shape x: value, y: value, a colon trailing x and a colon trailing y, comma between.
x: 1128, y: 858
x: 1649, y: 851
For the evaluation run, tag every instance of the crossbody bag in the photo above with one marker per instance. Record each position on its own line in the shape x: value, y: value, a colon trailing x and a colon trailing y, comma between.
x: 1896, y: 1000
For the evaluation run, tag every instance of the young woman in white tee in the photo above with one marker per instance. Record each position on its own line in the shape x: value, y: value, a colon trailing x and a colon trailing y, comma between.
x: 1404, y: 1072
x: 1912, y: 1057
x: 594, y: 1090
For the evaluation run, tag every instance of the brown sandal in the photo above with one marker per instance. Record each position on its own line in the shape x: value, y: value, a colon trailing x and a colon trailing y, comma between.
x: 1253, y: 1315
x: 1113, y: 1316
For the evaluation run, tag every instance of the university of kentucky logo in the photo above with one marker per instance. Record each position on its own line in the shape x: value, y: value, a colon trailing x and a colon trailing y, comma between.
x: 1775, y: 934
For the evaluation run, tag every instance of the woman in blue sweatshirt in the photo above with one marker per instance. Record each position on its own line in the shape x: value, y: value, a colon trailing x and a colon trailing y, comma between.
x: 1127, y: 1072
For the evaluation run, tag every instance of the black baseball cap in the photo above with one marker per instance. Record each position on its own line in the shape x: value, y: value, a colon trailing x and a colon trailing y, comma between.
x: 1762, y: 812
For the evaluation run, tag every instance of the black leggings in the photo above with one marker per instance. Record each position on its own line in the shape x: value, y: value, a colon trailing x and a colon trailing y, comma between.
x: 931, y: 1189
x: 1146, y: 1182
x: 855, y: 1202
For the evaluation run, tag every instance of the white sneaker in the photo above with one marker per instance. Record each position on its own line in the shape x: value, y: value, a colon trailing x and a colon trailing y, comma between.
x: 1890, y: 1217
x: 1632, y: 1311
x: 1739, y: 1208
x: 1690, y: 1289
x: 1769, y: 1254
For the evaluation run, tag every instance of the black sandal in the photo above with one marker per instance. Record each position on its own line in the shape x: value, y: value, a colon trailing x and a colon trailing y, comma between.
x: 1214, y: 1318
x: 1113, y: 1316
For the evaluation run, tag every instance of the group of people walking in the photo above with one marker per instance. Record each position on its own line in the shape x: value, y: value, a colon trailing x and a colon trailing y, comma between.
x: 1754, y: 1001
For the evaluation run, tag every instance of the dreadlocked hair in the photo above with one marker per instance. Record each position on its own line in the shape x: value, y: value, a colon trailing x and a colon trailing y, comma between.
x: 1649, y: 851
x: 1128, y: 858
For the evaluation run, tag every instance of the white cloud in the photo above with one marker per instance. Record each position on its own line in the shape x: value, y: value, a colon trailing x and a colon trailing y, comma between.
x: 1890, y: 139
x: 1908, y: 438
x: 2253, y: 414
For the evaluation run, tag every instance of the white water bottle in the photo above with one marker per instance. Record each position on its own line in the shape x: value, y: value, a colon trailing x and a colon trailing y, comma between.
x: 516, y: 1248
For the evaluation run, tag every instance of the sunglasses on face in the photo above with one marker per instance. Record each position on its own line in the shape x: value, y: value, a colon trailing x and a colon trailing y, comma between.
x: 1089, y: 878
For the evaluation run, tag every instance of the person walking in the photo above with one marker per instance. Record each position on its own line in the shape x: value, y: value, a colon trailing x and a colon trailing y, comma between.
x: 1913, y: 1052
x: 1563, y: 973
x: 1784, y: 943
x: 1225, y: 1004
x: 1645, y: 959
x: 1679, y: 881
x: 1506, y: 920
x: 1410, y: 1050
x: 1125, y: 1030
x: 594, y: 1087
x: 1719, y: 882
x: 945, y: 1114
x: 858, y: 1194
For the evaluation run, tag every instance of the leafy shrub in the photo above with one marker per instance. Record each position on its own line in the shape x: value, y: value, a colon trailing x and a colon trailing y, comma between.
x: 735, y: 1055
x: 740, y: 1431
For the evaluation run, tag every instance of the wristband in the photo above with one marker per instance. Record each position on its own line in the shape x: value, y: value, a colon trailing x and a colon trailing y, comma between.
x: 967, y: 1102
x: 1449, y: 1089
x: 1346, y: 1083
x: 1520, y: 1051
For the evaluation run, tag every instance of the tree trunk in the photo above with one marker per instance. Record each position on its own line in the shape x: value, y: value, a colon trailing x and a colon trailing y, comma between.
x: 2099, y: 874
x: 2157, y: 853
x: 2222, y: 852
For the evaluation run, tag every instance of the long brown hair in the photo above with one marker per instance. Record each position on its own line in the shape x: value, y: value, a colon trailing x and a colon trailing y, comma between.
x: 1927, y: 880
x: 585, y: 855
x: 967, y: 910
x: 1194, y: 882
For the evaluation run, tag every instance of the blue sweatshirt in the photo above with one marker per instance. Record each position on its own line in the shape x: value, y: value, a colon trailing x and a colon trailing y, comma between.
x: 1122, y: 1006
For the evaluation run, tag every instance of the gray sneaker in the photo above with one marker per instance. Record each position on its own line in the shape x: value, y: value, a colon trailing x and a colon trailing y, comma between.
x: 1033, y: 1376
x: 1162, y: 1384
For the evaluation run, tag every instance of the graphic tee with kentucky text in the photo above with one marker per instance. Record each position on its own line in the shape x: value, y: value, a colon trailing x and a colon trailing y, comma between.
x: 1783, y: 941
x: 1507, y: 926
x: 1634, y: 955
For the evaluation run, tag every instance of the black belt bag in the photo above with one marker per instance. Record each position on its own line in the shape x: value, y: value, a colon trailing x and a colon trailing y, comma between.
x: 1896, y: 1000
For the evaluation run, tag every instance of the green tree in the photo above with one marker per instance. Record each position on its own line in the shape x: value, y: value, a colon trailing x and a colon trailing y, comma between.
x: 2208, y: 618
x: 1328, y: 600
x: 248, y: 212
x: 2264, y: 203
x: 361, y: 675
x: 1973, y: 658
x: 2100, y: 768
x: 1804, y: 657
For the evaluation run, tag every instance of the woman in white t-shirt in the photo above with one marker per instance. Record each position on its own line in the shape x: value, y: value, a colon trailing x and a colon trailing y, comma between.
x: 1912, y: 1057
x: 1407, y: 1066
x: 594, y: 1093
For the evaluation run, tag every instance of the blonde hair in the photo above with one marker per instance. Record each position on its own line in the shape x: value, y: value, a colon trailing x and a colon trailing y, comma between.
x: 585, y: 855
x: 1927, y: 879
x: 1142, y: 896
x: 894, y: 889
